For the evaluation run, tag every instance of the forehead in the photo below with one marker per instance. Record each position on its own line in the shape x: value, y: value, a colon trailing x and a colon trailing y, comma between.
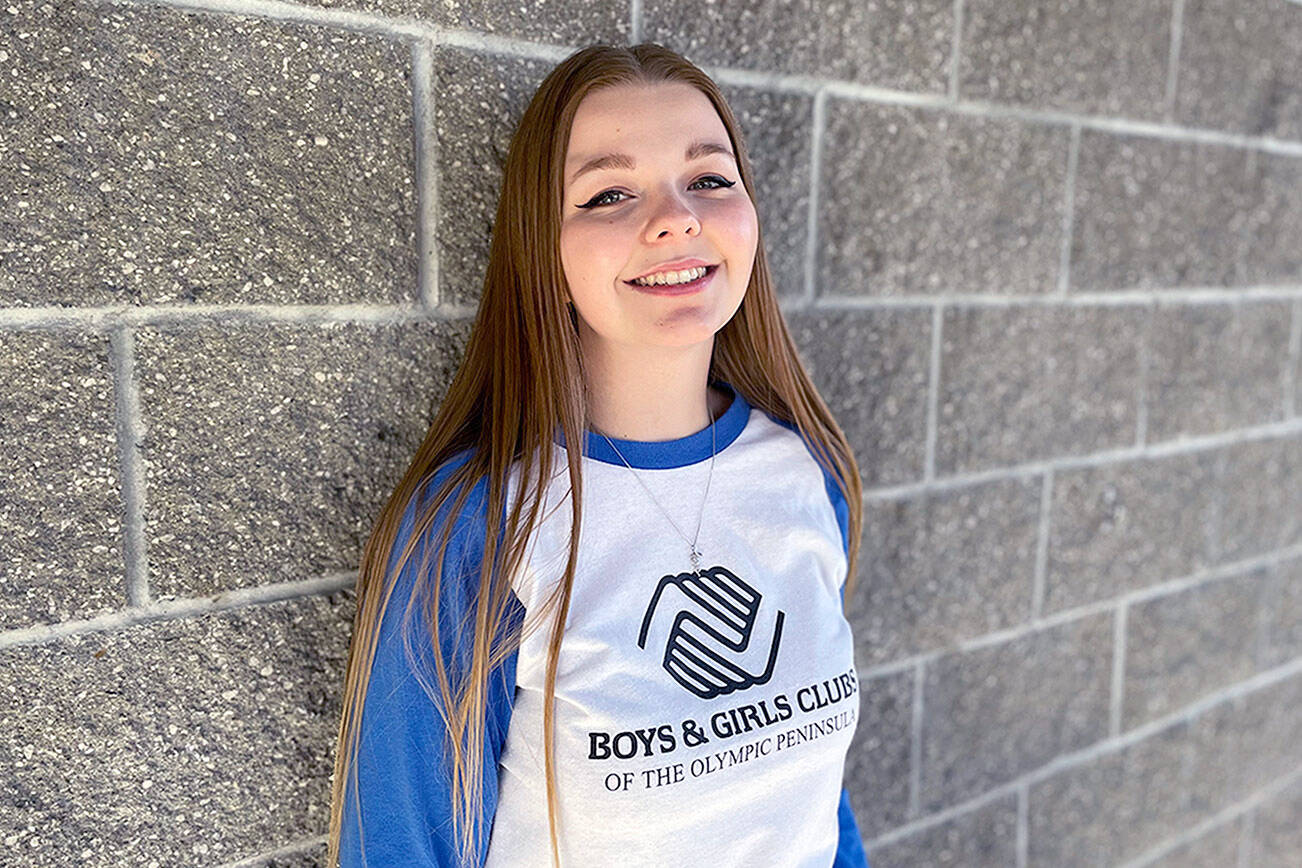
x: 641, y: 119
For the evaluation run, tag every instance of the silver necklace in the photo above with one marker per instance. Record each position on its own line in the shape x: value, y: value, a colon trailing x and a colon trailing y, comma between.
x: 696, y: 552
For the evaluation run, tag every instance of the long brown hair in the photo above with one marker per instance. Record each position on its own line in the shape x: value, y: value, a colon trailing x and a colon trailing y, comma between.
x: 521, y: 378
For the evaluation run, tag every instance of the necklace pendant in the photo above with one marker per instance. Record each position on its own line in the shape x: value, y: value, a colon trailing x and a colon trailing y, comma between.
x: 696, y: 559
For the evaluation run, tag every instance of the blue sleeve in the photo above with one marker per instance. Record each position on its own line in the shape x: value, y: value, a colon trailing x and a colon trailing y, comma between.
x: 849, y: 844
x: 403, y: 775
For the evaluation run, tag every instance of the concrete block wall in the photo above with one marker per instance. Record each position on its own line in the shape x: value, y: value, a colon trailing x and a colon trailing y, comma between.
x: 1042, y: 258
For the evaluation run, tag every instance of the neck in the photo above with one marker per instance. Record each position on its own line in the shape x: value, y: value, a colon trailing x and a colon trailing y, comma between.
x: 652, y: 393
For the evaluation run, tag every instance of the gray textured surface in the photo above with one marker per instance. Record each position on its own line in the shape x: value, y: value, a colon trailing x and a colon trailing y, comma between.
x: 1128, y: 525
x: 1240, y: 64
x: 871, y: 369
x: 1022, y: 383
x: 978, y: 731
x: 1215, y: 849
x: 776, y: 128
x: 478, y: 100
x: 907, y: 46
x: 184, y: 742
x: 1277, y: 836
x: 1185, y: 213
x: 1049, y: 55
x: 984, y: 836
x: 1213, y: 368
x: 924, y: 201
x: 1261, y: 492
x: 1183, y: 645
x: 1115, y: 806
x: 288, y: 435
x: 173, y: 157
x: 945, y: 567
x: 60, y: 477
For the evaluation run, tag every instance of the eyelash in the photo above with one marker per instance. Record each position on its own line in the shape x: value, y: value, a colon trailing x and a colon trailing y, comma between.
x: 593, y: 203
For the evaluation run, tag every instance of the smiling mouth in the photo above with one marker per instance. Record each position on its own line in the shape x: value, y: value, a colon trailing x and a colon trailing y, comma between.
x: 674, y: 288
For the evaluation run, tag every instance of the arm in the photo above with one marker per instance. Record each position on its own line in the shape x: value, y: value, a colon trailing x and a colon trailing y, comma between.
x: 403, y: 772
x: 849, y: 844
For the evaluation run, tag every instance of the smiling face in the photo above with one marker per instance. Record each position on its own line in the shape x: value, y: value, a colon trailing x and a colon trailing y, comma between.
x: 670, y: 201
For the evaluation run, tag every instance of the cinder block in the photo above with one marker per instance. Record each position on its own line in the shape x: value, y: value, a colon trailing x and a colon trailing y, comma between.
x: 1240, y: 67
x: 871, y: 367
x: 1214, y: 367
x: 270, y: 447
x: 170, y: 157
x: 1120, y: 527
x: 904, y: 46
x: 919, y: 201
x: 1184, y: 645
x: 1114, y: 806
x: 994, y: 713
x: 945, y: 566
x: 61, y: 511
x: 1070, y: 388
x: 193, y: 742
x: 1092, y: 58
x: 1155, y: 213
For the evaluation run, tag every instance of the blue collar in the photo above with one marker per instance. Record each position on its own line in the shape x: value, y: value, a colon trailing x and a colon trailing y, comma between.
x: 664, y: 454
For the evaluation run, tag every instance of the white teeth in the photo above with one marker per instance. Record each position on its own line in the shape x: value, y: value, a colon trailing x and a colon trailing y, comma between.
x: 666, y: 278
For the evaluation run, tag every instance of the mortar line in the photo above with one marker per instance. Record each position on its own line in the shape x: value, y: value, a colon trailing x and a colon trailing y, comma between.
x: 1117, y: 699
x: 428, y: 176
x: 172, y: 609
x: 1099, y: 298
x: 933, y: 394
x: 1068, y: 215
x: 634, y: 22
x: 1044, y: 527
x: 1104, y: 458
x: 915, y: 740
x: 818, y: 114
x: 956, y: 49
x: 1173, y: 60
x: 130, y: 431
x: 104, y: 318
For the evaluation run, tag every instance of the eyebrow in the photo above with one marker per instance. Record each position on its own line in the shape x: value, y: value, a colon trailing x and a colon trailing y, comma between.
x: 695, y: 151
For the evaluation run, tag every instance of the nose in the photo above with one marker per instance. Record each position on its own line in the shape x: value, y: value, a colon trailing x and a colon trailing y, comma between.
x: 672, y: 215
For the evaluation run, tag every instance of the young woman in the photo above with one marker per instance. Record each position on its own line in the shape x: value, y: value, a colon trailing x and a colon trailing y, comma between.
x: 632, y: 653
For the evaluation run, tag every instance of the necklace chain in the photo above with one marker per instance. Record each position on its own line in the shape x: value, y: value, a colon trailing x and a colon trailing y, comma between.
x: 696, y: 552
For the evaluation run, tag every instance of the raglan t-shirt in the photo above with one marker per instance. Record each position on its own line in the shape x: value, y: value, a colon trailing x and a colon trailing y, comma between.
x: 702, y: 716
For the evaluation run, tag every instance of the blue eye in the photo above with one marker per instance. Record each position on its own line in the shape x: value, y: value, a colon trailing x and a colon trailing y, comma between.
x: 597, y: 200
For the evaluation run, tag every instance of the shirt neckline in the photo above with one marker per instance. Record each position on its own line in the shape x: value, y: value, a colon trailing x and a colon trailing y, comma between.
x: 679, y: 452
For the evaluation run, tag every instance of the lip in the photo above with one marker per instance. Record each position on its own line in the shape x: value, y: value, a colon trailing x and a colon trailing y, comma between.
x: 679, y: 288
x: 676, y: 265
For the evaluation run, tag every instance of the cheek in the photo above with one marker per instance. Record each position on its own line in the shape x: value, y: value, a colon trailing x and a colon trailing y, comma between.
x: 592, y: 253
x: 737, y: 227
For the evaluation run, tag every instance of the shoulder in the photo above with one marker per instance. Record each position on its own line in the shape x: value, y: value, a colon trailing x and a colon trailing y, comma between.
x: 830, y: 484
